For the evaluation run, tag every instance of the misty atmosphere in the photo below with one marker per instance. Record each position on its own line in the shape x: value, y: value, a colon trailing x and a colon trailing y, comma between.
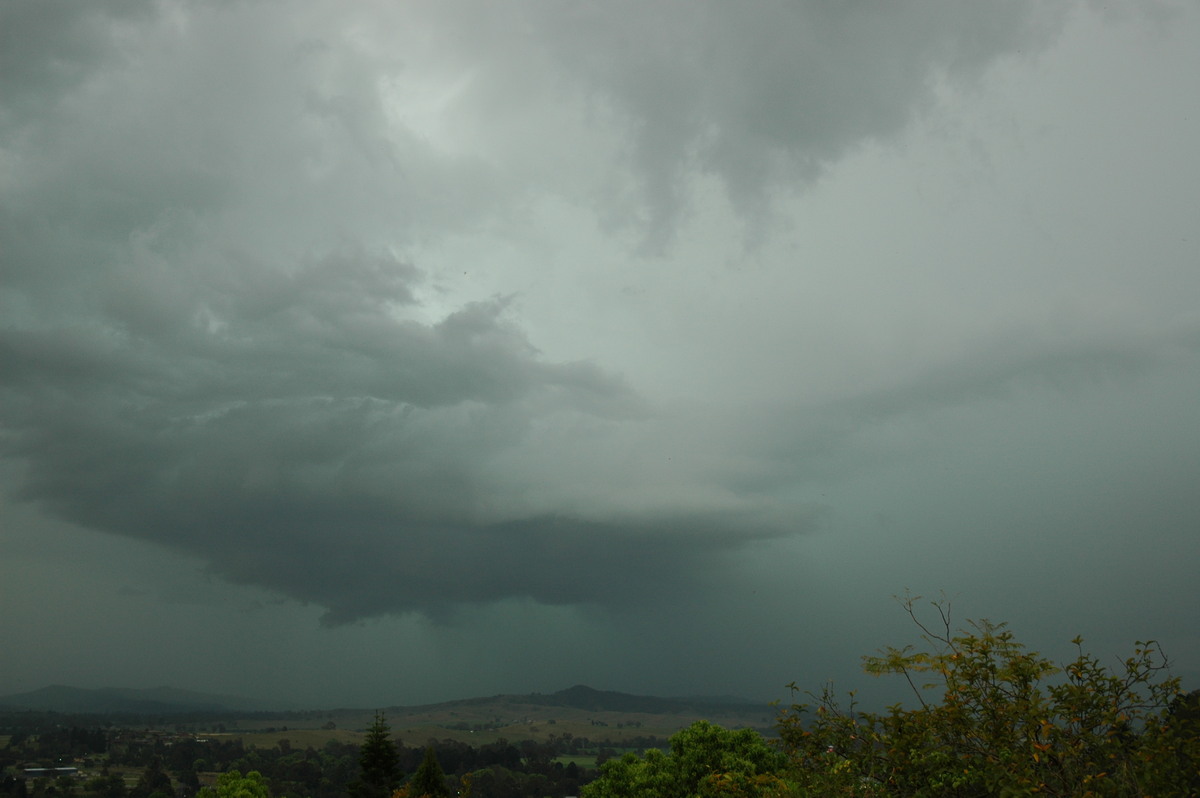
x: 384, y: 354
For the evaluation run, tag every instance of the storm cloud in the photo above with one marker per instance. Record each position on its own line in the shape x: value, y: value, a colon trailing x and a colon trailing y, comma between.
x: 296, y: 432
x: 576, y: 312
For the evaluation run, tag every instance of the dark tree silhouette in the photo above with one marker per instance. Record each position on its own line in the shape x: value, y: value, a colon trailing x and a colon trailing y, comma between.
x: 379, y: 763
x: 429, y: 780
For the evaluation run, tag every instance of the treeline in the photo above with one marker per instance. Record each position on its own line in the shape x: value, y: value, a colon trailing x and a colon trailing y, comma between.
x: 501, y: 769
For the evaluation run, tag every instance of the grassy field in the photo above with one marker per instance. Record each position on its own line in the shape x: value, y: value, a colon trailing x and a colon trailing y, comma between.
x: 297, y: 738
x: 419, y: 734
x: 415, y: 729
x: 475, y: 722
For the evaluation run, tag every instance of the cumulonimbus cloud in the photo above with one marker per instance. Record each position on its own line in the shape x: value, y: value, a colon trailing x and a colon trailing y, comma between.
x: 210, y: 343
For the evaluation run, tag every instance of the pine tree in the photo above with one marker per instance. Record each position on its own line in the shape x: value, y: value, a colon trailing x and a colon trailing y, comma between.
x: 429, y: 780
x: 379, y: 763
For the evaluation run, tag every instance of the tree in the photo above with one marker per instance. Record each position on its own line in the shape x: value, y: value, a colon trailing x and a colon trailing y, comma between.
x: 234, y: 785
x: 154, y: 781
x: 428, y: 780
x: 379, y: 763
x: 1009, y: 722
x: 704, y: 760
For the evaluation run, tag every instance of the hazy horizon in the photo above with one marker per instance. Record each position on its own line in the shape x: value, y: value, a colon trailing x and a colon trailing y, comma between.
x: 176, y: 696
x: 377, y: 353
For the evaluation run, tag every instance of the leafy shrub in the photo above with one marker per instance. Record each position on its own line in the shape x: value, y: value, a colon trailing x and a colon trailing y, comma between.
x: 1009, y: 722
x: 704, y: 760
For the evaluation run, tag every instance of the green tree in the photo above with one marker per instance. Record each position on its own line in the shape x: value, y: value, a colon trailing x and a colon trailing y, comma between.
x: 234, y: 785
x: 428, y: 780
x: 704, y: 760
x: 154, y: 781
x: 379, y: 763
x: 1008, y: 722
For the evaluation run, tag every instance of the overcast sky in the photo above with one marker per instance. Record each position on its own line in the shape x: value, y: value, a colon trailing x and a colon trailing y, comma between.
x: 393, y: 352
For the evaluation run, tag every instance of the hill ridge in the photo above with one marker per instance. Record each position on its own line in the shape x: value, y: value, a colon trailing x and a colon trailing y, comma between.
x: 164, y: 700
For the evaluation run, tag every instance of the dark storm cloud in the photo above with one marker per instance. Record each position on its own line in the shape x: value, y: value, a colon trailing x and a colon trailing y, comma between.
x: 294, y: 433
x: 209, y: 343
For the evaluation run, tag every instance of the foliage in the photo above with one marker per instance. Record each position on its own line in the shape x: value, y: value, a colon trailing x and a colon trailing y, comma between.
x: 234, y: 785
x: 1009, y: 722
x: 379, y: 763
x: 704, y: 760
x: 107, y: 785
x: 499, y: 768
x: 153, y: 782
x: 428, y: 781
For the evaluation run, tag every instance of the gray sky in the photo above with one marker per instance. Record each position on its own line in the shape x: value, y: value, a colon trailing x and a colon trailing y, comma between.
x: 379, y: 352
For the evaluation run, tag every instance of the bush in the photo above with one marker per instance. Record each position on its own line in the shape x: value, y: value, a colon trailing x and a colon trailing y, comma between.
x: 1009, y: 722
x: 704, y: 760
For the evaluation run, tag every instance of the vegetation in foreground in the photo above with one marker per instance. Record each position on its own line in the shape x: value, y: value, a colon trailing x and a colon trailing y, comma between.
x: 1008, y: 723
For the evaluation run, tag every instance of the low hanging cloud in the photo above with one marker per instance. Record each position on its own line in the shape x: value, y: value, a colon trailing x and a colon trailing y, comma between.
x: 296, y: 432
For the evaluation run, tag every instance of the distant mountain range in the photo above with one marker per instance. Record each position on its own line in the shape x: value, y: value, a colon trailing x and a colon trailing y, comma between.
x: 583, y: 697
x: 171, y: 701
x: 129, y: 701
